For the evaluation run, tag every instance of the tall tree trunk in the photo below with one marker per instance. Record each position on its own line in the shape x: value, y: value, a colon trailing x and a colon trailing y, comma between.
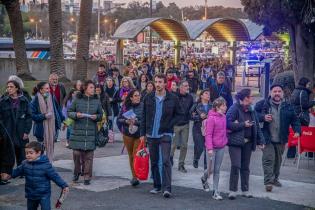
x: 82, y: 54
x: 303, y: 48
x: 16, y: 23
x: 57, y: 63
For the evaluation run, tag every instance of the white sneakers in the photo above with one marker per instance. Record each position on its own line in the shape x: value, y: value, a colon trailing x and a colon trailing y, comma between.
x: 217, y: 196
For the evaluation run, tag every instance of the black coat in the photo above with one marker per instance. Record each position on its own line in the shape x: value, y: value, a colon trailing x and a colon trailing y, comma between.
x: 287, y: 118
x: 193, y: 84
x: 300, y: 99
x: 121, y: 120
x: 236, y: 125
x: 170, y: 114
x: 196, y: 110
x: 106, y: 104
x: 7, y: 156
x: 113, y: 93
x: 305, y: 96
x: 186, y: 102
x: 17, y: 122
x: 223, y: 90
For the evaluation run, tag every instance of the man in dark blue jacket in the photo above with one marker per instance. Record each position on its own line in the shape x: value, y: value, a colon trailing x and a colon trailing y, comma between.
x: 221, y: 87
x: 161, y: 111
x: 276, y: 116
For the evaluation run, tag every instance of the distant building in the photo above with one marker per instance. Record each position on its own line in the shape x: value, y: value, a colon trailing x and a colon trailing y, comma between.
x: 108, y: 5
x: 71, y: 6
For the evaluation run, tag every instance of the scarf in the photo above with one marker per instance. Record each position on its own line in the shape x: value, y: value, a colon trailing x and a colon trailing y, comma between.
x: 46, y: 106
x: 110, y: 91
x: 124, y: 91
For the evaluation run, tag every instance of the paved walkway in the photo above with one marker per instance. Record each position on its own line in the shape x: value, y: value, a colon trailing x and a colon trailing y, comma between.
x: 110, y: 188
x: 118, y: 166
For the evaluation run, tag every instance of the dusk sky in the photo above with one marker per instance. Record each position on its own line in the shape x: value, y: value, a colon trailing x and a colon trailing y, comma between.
x: 181, y: 3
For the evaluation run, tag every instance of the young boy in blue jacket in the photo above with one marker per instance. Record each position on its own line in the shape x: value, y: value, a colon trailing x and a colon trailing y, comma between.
x: 38, y: 173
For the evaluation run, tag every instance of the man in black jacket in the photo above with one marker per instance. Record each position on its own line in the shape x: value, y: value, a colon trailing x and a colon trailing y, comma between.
x: 276, y: 116
x: 193, y: 82
x: 181, y: 128
x: 161, y: 111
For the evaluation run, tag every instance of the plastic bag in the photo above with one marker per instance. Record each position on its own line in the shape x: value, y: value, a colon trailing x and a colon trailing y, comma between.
x: 141, y: 162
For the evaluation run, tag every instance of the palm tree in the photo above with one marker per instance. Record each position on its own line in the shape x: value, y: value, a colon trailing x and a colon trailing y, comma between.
x: 82, y: 54
x: 57, y: 64
x: 13, y: 9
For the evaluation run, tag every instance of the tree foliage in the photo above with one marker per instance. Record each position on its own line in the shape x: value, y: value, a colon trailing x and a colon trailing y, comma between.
x: 276, y: 14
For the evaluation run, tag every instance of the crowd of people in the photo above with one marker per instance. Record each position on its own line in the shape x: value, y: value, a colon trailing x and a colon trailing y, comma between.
x: 153, y: 106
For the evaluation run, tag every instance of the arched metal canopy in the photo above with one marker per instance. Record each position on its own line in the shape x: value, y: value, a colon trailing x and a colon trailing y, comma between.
x: 168, y: 29
x: 224, y: 29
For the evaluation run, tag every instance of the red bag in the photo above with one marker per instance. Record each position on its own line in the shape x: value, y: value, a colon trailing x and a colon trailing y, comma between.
x: 141, y: 162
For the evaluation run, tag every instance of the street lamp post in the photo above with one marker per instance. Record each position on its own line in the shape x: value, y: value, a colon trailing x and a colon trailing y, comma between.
x: 116, y: 21
x: 150, y: 44
x: 105, y: 22
x: 73, y: 21
x: 36, y: 26
x: 98, y: 21
x: 206, y: 10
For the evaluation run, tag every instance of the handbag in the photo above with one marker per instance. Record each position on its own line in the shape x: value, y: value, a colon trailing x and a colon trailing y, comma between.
x: 303, y: 116
x: 102, y: 136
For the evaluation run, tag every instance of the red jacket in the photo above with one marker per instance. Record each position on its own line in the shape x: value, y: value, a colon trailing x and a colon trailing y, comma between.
x: 169, y: 82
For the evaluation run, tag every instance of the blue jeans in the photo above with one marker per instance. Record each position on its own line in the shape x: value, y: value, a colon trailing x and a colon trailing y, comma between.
x: 154, y: 147
x: 44, y: 203
x: 69, y: 131
x: 160, y: 164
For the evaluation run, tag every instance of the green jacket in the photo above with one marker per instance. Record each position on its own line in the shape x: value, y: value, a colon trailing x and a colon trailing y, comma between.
x: 83, y: 136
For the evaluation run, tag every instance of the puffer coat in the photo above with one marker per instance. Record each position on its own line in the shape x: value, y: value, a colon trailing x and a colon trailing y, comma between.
x: 84, y: 132
x: 38, y: 174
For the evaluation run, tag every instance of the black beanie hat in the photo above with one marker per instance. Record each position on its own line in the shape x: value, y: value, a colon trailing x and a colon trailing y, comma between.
x: 276, y: 85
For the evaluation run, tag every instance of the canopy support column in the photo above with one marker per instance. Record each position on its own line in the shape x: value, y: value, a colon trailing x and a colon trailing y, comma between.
x: 233, y: 50
x: 120, y: 54
x: 177, y: 47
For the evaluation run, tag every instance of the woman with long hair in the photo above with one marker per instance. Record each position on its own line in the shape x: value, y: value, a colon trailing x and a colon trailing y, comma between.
x: 130, y: 127
x: 77, y: 85
x: 86, y: 111
x: 199, y: 113
x: 47, y: 117
x: 112, y: 93
x: 142, y: 82
x: 148, y: 89
x: 126, y: 86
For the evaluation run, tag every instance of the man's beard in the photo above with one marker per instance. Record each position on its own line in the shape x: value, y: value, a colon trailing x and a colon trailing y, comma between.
x: 277, y: 99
